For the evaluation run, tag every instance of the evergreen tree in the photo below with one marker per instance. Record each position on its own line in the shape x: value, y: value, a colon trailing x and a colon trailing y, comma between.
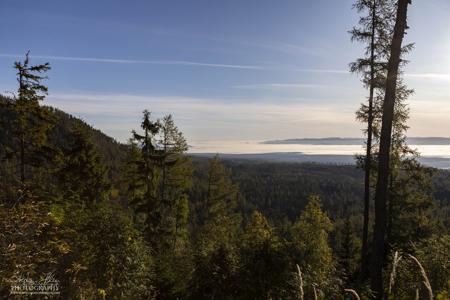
x: 174, y: 168
x: 132, y: 179
x: 346, y: 252
x: 406, y: 192
x: 217, y: 219
x: 310, y: 240
x: 146, y: 178
x: 82, y: 176
x: 264, y: 268
x: 159, y: 177
x: 384, y: 152
x: 373, y: 30
x: 175, y: 181
x: 266, y: 265
x: 215, y: 234
x: 32, y: 121
x: 410, y: 204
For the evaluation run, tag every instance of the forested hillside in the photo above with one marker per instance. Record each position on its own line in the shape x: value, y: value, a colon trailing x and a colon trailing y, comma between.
x: 281, y: 190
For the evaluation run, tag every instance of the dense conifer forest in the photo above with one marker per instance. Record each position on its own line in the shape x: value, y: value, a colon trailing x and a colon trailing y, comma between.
x: 146, y: 220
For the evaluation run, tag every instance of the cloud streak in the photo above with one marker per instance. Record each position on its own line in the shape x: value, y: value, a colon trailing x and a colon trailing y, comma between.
x: 277, y: 86
x: 133, y: 61
x: 178, y: 63
x: 430, y: 76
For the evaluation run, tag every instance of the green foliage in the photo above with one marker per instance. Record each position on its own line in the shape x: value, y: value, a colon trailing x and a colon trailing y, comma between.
x: 31, y: 242
x: 217, y: 220
x: 215, y: 236
x: 347, y: 250
x: 158, y: 176
x: 265, y: 270
x: 31, y: 122
x: 434, y: 253
x: 146, y: 202
x: 82, y: 175
x: 281, y: 190
x: 310, y: 241
x: 110, y: 255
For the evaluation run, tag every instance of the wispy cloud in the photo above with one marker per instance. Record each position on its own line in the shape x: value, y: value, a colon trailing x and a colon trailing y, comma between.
x: 329, y: 71
x: 278, y: 46
x: 133, y: 61
x: 277, y: 86
x: 283, y: 47
x: 180, y: 63
x: 431, y: 76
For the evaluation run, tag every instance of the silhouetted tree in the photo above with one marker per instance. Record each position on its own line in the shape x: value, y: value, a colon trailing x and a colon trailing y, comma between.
x: 146, y: 177
x: 32, y: 121
x: 373, y: 30
x: 381, y: 192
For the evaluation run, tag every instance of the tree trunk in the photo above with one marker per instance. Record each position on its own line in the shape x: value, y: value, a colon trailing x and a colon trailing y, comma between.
x: 22, y: 139
x: 390, y: 208
x: 22, y: 159
x: 378, y: 247
x: 368, y: 161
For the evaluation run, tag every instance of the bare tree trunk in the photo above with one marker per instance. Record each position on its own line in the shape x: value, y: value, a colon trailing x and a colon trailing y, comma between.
x: 368, y: 161
x: 378, y: 247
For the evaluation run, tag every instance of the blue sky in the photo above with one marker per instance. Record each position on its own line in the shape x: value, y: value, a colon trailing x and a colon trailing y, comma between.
x: 254, y: 69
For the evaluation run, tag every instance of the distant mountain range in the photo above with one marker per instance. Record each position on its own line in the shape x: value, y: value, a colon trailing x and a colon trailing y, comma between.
x: 356, y: 141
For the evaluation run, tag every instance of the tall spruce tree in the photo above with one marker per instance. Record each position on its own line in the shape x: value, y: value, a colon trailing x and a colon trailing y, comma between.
x: 31, y: 122
x: 381, y: 193
x: 372, y: 31
x: 146, y: 178
x: 159, y: 177
x: 175, y: 181
x: 174, y: 168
